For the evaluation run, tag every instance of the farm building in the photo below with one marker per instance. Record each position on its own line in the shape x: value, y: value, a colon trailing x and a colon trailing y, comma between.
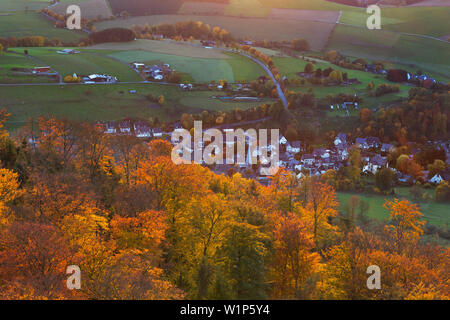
x: 41, y: 69
x: 67, y: 51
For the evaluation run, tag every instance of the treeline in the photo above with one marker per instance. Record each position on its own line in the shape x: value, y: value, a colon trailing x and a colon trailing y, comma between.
x: 197, y: 30
x: 211, y: 119
x: 424, y: 117
x: 141, y: 227
x: 112, y: 35
x: 263, y: 58
x: 31, y: 41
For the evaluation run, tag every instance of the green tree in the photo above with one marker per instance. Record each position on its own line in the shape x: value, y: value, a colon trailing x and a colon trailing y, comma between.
x: 241, y: 265
x: 309, y: 68
x: 384, y: 179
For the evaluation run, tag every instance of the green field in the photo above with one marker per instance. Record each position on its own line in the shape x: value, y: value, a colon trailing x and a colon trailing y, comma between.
x: 84, y: 63
x: 233, y: 68
x: 9, y: 61
x: 433, y: 212
x: 415, y: 52
x: 21, y: 5
x: 91, y: 9
x: 106, y: 102
x: 21, y: 25
x: 195, y: 62
x: 432, y: 21
x: 289, y: 67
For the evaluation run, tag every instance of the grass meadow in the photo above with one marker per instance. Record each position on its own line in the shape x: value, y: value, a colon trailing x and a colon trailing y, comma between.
x: 106, y: 102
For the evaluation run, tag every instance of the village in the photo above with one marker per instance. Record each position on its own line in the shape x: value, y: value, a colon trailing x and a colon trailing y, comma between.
x: 294, y: 155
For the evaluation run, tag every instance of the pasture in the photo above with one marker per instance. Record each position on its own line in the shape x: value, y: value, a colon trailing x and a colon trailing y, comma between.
x: 23, y: 24
x: 411, y: 51
x: 164, y: 47
x: 233, y: 68
x: 84, y: 63
x: 22, y: 5
x: 106, y: 102
x: 195, y: 62
x: 90, y: 9
x: 145, y: 7
x: 9, y: 61
x: 202, y: 8
x: 433, y: 212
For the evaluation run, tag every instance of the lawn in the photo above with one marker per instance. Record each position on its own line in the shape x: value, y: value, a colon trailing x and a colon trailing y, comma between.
x: 85, y: 63
x: 106, y: 102
x: 21, y: 25
x: 433, y: 212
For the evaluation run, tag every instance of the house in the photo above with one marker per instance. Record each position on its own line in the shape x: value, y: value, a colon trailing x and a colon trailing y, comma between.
x: 125, y: 127
x: 373, y: 142
x: 157, y: 132
x: 322, y: 153
x: 308, y: 159
x: 142, y: 130
x: 374, y: 164
x: 386, y: 147
x: 283, y: 140
x: 362, y: 143
x: 111, y: 127
x: 99, y: 78
x: 437, y: 178
x: 341, y: 139
x: 293, y: 147
x: 138, y: 66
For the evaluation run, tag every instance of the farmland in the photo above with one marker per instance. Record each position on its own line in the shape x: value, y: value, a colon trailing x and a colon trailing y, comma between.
x: 84, y: 63
x: 106, y: 102
x: 417, y: 52
x: 91, y: 9
x: 10, y: 61
x: 21, y: 5
x: 255, y: 28
x: 23, y: 24
x: 196, y: 63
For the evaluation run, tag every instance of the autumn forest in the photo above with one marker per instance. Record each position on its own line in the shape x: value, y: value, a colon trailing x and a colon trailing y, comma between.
x: 141, y: 227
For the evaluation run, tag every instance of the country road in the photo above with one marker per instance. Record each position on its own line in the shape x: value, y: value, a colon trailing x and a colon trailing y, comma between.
x: 277, y: 84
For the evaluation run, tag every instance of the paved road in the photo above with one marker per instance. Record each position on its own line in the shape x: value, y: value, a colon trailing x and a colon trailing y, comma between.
x: 277, y: 84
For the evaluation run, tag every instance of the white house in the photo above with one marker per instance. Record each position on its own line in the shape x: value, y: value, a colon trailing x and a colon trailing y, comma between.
x: 157, y: 133
x: 437, y: 178
x: 293, y: 147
